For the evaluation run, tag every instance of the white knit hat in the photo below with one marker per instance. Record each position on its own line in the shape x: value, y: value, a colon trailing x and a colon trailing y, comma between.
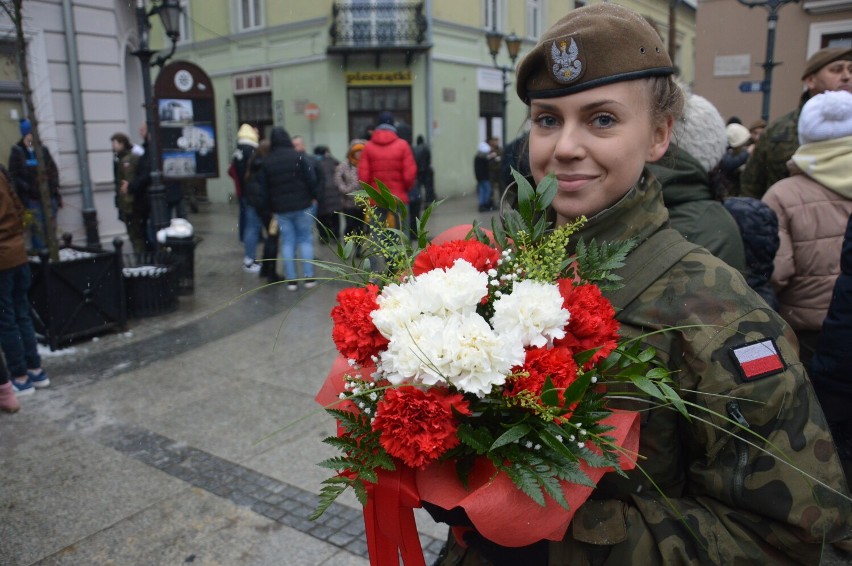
x: 484, y: 148
x: 738, y: 135
x: 826, y: 116
x: 701, y: 132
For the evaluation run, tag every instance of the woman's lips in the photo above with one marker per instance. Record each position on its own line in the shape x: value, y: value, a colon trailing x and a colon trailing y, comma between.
x: 573, y: 183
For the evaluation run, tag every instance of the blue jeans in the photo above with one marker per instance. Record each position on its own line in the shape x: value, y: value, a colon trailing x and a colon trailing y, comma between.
x: 484, y: 189
x: 251, y: 232
x: 17, y: 336
x: 37, y: 229
x: 296, y: 229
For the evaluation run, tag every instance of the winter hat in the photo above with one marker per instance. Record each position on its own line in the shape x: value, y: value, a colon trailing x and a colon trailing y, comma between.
x: 826, y: 116
x: 825, y: 56
x: 738, y: 135
x: 26, y: 127
x: 484, y: 148
x: 701, y: 132
x: 577, y: 53
x: 247, y: 134
x: 386, y: 118
x: 355, y: 146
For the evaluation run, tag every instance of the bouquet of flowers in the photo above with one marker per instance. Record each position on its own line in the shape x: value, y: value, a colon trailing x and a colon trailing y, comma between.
x: 476, y: 373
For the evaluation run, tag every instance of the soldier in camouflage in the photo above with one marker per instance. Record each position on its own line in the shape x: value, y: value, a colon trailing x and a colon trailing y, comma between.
x: 753, y: 477
x: 827, y: 69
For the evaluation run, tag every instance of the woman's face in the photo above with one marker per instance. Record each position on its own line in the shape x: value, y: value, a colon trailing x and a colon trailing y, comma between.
x: 596, y: 142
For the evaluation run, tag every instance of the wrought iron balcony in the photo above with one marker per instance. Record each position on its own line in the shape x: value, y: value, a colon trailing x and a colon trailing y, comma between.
x: 377, y: 28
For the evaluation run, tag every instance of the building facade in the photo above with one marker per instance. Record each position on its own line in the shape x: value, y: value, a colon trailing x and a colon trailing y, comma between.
x: 731, y: 47
x: 321, y: 69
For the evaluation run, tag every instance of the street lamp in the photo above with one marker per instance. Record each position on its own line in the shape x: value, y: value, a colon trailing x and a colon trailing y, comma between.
x: 513, y: 46
x: 169, y: 11
x: 772, y: 6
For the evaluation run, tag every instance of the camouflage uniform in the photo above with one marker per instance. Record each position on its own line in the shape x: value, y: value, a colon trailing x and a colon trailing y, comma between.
x: 728, y: 502
x: 768, y: 162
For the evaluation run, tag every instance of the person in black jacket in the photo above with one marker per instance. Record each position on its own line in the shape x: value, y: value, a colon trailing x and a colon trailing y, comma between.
x: 759, y: 230
x: 831, y: 366
x: 291, y: 184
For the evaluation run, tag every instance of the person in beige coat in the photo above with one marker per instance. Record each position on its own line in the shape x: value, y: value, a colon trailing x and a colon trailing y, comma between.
x: 812, y: 209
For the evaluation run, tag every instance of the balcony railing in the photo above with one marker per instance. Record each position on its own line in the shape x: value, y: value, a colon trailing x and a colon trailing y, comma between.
x: 377, y: 27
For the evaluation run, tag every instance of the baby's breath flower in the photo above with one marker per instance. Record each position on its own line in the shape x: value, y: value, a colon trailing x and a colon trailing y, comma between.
x: 572, y: 438
x: 492, y: 273
x: 498, y: 294
x: 373, y: 396
x: 582, y: 432
x: 581, y: 445
x: 537, y: 447
x: 367, y: 410
x: 341, y: 395
x: 594, y: 379
x: 559, y: 437
x: 528, y: 444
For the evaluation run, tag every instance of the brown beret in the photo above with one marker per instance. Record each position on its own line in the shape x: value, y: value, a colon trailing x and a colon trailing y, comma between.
x: 825, y: 56
x: 590, y: 47
x: 759, y: 123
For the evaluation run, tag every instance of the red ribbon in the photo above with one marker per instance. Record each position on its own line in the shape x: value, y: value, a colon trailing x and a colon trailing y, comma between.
x: 389, y: 519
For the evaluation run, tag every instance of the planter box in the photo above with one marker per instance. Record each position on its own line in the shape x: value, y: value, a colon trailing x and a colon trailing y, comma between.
x: 78, y: 297
x: 150, y: 284
x: 182, y: 250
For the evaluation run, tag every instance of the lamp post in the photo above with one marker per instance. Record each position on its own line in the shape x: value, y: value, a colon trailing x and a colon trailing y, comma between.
x: 169, y: 11
x: 513, y: 46
x: 772, y: 6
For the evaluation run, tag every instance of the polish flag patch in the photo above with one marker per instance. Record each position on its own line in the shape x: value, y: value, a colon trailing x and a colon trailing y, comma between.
x: 758, y: 360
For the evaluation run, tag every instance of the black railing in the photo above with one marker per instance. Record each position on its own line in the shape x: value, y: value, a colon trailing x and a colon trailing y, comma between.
x: 377, y: 25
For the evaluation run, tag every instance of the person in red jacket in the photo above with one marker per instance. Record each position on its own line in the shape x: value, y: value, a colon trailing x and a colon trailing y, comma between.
x: 389, y: 159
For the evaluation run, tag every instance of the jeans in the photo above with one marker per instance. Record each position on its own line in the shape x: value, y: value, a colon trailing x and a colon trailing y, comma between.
x: 484, y: 189
x: 17, y: 336
x: 296, y: 229
x: 38, y: 228
x: 251, y: 232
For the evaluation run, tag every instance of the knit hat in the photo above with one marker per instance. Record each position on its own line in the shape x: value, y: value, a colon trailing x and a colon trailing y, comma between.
x: 590, y: 47
x: 484, y: 148
x: 825, y: 56
x: 355, y: 146
x: 701, y: 132
x: 826, y: 116
x: 386, y: 118
x: 26, y: 127
x: 247, y: 133
x: 738, y: 135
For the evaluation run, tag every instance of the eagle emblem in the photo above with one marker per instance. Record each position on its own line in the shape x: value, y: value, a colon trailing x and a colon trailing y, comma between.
x: 566, y: 65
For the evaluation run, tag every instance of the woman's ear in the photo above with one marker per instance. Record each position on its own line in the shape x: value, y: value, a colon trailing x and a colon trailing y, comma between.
x: 660, y: 139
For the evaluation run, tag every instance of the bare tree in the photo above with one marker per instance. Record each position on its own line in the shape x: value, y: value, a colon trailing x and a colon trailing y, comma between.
x: 13, y: 9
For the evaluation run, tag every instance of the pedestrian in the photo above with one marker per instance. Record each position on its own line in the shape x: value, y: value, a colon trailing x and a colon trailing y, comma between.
x: 827, y: 69
x: 495, y: 167
x: 483, y: 177
x: 124, y: 165
x: 17, y: 335
x: 388, y: 158
x: 812, y: 209
x: 249, y: 222
x: 736, y: 155
x: 292, y: 188
x: 23, y: 167
x: 755, y: 130
x: 603, y: 103
x: 689, y: 186
x: 515, y: 156
x: 313, y: 164
x: 328, y: 214
x: 425, y: 174
x: 346, y: 179
x: 139, y: 187
x: 831, y: 367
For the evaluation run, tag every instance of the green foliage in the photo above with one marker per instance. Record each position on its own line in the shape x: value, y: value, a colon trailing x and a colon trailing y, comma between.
x: 596, y: 262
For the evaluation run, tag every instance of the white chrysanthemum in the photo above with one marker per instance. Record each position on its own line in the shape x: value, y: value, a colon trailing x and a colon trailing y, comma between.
x: 533, y: 309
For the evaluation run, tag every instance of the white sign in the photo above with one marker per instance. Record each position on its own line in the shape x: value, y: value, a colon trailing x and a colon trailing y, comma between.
x: 489, y: 80
x: 732, y: 66
x: 183, y: 80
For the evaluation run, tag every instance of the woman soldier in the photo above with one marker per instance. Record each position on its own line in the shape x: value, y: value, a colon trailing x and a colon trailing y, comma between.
x: 753, y: 477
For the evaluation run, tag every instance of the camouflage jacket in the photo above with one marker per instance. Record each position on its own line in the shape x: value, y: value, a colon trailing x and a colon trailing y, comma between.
x: 712, y: 494
x: 768, y: 162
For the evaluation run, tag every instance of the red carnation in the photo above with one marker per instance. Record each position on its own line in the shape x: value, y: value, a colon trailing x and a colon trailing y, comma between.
x: 418, y: 426
x: 556, y: 363
x: 354, y: 333
x: 441, y: 256
x: 592, y: 324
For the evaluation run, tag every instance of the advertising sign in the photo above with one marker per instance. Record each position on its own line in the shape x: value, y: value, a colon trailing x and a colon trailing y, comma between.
x: 186, y: 122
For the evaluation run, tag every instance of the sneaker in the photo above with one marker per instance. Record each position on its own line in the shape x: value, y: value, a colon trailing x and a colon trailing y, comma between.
x: 292, y: 286
x: 310, y: 283
x: 22, y: 389
x: 39, y: 380
x: 8, y: 401
x: 251, y: 267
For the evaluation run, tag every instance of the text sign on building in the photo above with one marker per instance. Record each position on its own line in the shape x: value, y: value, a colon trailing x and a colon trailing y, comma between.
x: 378, y: 78
x: 489, y: 80
x: 186, y: 122
x: 732, y: 65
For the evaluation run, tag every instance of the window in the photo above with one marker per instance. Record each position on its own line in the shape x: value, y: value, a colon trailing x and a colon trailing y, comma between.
x: 250, y: 14
x: 494, y: 14
x: 183, y: 24
x: 534, y: 18
x: 375, y: 21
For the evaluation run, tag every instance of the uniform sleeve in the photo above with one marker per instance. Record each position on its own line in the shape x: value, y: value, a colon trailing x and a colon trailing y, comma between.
x: 771, y: 492
x: 753, y: 179
x: 785, y: 262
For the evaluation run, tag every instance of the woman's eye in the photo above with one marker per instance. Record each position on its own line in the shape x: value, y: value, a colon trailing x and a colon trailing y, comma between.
x: 603, y: 121
x: 546, y: 121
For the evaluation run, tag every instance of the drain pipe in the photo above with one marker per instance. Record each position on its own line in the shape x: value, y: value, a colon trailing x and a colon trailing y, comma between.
x: 430, y: 103
x: 90, y: 213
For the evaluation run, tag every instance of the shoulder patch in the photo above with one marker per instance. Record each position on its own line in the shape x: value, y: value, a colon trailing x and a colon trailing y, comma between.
x: 757, y: 360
